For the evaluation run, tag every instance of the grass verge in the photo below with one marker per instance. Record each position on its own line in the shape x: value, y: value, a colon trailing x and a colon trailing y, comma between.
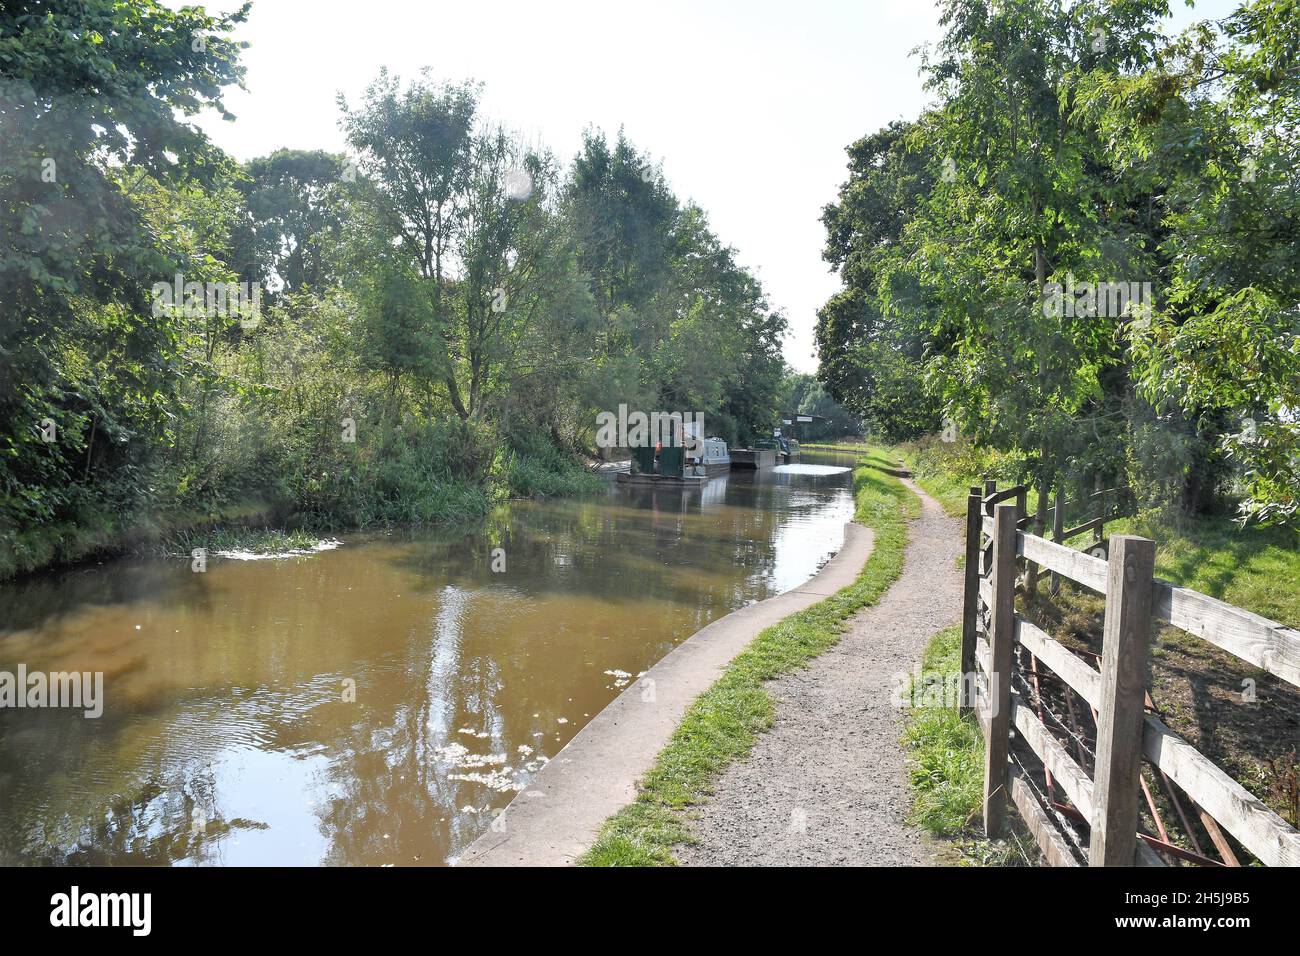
x: 723, y: 722
x: 945, y: 764
x: 856, y: 448
x: 945, y: 750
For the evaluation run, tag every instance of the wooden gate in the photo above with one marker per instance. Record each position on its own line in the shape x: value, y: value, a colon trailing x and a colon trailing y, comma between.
x: 1028, y: 744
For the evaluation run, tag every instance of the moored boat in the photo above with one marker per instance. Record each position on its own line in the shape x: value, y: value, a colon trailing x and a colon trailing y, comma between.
x: 753, y: 457
x: 715, y: 459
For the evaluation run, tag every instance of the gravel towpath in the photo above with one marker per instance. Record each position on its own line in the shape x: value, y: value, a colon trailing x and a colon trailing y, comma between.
x: 827, y: 784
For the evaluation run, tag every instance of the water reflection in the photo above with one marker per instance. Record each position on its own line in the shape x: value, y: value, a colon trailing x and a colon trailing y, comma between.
x: 372, y: 704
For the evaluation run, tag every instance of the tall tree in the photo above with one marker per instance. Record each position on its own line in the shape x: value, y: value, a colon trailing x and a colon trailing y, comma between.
x: 88, y: 88
x: 290, y: 200
x: 870, y: 359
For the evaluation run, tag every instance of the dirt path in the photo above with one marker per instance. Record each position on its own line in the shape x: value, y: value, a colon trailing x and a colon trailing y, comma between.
x: 826, y: 785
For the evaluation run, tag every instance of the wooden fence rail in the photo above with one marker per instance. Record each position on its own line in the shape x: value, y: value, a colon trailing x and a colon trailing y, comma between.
x: 1108, y: 802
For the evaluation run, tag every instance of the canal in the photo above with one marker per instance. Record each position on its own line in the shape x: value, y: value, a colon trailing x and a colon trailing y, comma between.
x: 375, y: 703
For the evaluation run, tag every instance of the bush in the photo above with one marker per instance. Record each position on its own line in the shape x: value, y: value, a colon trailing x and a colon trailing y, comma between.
x: 534, y: 466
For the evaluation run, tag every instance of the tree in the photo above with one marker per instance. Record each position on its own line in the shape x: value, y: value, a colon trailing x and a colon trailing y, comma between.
x: 289, y: 195
x: 1212, y: 133
x: 872, y: 360
x: 464, y: 218
x: 86, y: 89
x: 803, y: 394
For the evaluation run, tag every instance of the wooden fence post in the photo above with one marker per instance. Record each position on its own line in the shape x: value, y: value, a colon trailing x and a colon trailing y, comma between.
x: 1031, y: 569
x: 1001, y: 637
x: 1037, y: 526
x: 970, y: 600
x: 1058, y: 528
x: 1123, y: 694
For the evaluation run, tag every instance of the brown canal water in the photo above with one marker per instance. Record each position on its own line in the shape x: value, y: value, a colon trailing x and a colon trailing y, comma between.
x: 372, y: 704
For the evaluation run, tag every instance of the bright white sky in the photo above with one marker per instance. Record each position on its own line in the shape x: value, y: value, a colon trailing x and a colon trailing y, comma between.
x: 748, y: 104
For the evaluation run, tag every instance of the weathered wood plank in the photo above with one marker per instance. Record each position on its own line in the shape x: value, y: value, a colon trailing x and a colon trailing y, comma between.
x: 1075, y: 565
x: 1001, y: 641
x: 1055, y: 850
x: 1066, y: 773
x: 1036, y: 523
x: 993, y: 500
x: 1255, y: 639
x: 1066, y: 665
x: 1237, y: 810
x: 1093, y: 525
x: 1058, y: 522
x: 1126, y: 637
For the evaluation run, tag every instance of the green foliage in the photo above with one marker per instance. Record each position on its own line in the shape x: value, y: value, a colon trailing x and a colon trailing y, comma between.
x: 1075, y: 141
x: 86, y: 89
x: 948, y: 470
x: 802, y: 394
x: 869, y: 363
x: 449, y: 347
x: 293, y: 211
x: 535, y: 467
x: 684, y: 328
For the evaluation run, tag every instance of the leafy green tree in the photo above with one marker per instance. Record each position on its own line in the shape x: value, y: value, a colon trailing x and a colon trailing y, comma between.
x: 87, y: 89
x: 1211, y: 133
x: 415, y: 148
x: 803, y: 394
x: 871, y: 360
x: 478, y: 255
x: 289, y: 195
x: 623, y: 216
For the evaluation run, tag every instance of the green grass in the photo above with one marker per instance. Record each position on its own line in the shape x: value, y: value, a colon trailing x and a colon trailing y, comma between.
x: 945, y: 763
x: 723, y: 722
x: 947, y: 472
x: 1252, y: 567
x: 945, y: 750
x: 252, y: 540
x: 949, y: 490
x: 857, y: 448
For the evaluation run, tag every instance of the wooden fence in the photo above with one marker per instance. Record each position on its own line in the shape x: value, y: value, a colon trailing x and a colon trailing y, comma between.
x: 1028, y: 760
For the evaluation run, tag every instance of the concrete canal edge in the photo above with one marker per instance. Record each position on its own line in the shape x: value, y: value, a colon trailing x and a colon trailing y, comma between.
x: 556, y: 819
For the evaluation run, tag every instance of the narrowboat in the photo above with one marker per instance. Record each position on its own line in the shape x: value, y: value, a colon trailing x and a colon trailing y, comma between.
x: 715, y: 459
